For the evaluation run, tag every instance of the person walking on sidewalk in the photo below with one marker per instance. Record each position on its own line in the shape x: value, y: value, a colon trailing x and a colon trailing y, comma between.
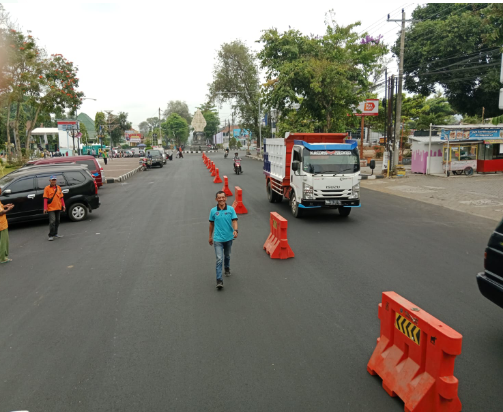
x: 54, y: 203
x: 105, y: 157
x: 223, y: 230
x: 4, y: 232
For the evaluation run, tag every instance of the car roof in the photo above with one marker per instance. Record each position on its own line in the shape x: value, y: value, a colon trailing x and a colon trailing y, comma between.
x: 43, y: 169
x: 62, y: 159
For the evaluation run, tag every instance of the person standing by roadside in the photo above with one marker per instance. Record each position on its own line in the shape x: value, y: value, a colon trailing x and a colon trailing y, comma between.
x: 105, y: 157
x: 54, y: 203
x: 4, y: 232
x: 223, y: 230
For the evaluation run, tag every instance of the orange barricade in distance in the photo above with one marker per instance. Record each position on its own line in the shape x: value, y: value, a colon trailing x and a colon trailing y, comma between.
x: 415, y: 357
x: 238, y: 205
x: 217, y: 177
x: 212, y: 170
x: 226, y: 189
x: 276, y: 244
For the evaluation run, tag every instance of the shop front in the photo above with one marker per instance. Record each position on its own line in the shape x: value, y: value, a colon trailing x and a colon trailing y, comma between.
x: 473, y: 149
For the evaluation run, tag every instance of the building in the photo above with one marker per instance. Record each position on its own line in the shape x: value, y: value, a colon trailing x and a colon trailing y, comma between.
x: 89, y: 123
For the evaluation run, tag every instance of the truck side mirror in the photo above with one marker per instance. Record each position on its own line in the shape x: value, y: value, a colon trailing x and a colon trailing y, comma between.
x: 372, y: 164
x: 295, y: 165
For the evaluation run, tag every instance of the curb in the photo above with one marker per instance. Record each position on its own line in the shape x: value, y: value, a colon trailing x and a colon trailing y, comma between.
x: 123, y: 177
x: 197, y: 151
x: 371, y: 177
x: 254, y: 158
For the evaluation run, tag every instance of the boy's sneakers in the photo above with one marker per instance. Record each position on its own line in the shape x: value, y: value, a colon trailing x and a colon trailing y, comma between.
x: 220, y: 284
x: 58, y: 236
x: 50, y: 238
x: 227, y: 271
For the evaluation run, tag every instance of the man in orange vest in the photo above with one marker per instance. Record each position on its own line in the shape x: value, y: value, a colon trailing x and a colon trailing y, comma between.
x: 4, y: 233
x: 53, y: 204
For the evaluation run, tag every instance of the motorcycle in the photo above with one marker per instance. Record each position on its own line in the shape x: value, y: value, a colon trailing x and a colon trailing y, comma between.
x: 145, y: 163
x: 226, y: 154
x: 237, y: 166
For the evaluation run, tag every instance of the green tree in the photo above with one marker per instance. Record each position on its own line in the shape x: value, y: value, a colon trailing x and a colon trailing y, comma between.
x: 178, y: 107
x: 235, y: 80
x: 121, y: 124
x: 176, y: 127
x: 456, y: 46
x: 212, y: 121
x: 100, y: 125
x: 144, y: 128
x: 326, y: 76
x: 85, y: 134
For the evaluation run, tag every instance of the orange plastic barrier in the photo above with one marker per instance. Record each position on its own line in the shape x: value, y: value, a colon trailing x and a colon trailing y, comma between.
x: 226, y: 187
x: 202, y: 156
x: 212, y: 170
x: 238, y: 205
x: 415, y: 357
x: 217, y: 177
x: 206, y: 160
x: 276, y: 244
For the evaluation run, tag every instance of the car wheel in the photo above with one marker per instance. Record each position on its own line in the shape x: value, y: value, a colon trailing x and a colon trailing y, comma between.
x: 77, y: 212
x: 161, y: 165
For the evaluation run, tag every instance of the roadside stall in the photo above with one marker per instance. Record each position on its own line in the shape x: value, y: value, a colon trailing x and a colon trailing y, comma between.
x: 470, y: 148
x: 420, y: 157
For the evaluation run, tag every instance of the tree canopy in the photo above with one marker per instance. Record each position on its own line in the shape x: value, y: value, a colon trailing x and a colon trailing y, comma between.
x: 456, y: 46
x: 179, y: 107
x: 235, y: 80
x: 324, y: 76
x: 176, y: 127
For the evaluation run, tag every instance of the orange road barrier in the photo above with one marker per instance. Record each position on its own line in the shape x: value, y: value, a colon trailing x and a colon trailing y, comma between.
x: 213, y: 173
x: 226, y: 189
x: 208, y: 163
x: 202, y: 156
x: 217, y: 177
x: 238, y: 205
x: 415, y: 357
x: 276, y: 244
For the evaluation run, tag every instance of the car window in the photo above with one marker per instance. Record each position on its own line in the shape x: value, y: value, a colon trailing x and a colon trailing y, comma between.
x: 75, y: 178
x: 89, y: 163
x: 43, y: 181
x: 22, y: 185
x: 7, y: 179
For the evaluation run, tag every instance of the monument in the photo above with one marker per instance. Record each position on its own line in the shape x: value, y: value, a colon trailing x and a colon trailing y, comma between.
x: 199, y: 137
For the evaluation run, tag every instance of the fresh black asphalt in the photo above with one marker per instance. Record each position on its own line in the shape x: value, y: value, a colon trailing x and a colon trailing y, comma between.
x: 122, y: 314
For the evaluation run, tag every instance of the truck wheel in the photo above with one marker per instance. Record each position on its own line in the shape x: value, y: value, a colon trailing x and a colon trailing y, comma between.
x: 344, y: 211
x: 270, y: 193
x: 296, y: 210
x: 77, y: 212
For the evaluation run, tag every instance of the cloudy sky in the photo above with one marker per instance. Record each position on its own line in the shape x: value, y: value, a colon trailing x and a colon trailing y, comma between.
x: 136, y: 56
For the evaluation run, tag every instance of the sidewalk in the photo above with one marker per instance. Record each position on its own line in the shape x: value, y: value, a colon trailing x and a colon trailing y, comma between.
x: 480, y: 195
x: 118, y: 170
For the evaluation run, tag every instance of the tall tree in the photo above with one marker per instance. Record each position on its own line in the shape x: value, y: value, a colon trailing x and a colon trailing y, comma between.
x: 456, y: 46
x: 121, y: 125
x: 235, y: 80
x: 144, y: 128
x: 176, y: 127
x: 325, y: 76
x: 100, y: 125
x: 180, y: 108
x: 212, y: 120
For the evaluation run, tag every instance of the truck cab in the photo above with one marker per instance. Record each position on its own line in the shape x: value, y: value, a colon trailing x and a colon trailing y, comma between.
x: 325, y: 175
x: 313, y: 173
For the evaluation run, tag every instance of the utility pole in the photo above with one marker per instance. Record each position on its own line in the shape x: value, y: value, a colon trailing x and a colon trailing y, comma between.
x: 501, y: 81
x: 160, y: 130
x: 400, y: 84
x: 391, y: 87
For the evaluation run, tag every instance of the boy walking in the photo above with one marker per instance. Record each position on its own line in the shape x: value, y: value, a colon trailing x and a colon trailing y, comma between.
x: 223, y: 230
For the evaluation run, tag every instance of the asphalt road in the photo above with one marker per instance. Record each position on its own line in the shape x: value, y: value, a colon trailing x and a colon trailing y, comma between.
x: 122, y: 314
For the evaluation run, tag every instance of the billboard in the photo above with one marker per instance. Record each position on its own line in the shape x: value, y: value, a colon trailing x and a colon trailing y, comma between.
x: 132, y: 136
x: 369, y: 107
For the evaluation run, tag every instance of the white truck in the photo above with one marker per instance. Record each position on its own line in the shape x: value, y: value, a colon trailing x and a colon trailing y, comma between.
x: 313, y: 170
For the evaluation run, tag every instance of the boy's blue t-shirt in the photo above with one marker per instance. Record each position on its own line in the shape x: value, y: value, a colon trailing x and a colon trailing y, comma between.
x: 223, y: 218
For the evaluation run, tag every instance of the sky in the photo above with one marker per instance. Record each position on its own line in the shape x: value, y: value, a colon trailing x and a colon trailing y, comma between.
x: 136, y: 56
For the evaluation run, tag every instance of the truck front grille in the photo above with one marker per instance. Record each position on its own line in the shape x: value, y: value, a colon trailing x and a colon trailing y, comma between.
x: 332, y: 194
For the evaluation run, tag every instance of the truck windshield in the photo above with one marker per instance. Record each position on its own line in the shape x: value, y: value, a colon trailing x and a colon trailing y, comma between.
x: 331, y: 161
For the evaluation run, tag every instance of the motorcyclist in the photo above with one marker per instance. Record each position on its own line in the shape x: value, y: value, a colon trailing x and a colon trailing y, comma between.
x: 236, y: 156
x: 226, y: 151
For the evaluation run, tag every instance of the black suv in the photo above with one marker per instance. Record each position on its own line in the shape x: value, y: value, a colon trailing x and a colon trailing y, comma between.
x: 157, y: 159
x: 490, y: 281
x: 25, y: 189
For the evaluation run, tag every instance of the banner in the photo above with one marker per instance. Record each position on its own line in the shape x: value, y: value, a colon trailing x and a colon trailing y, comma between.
x: 472, y: 134
x: 369, y: 107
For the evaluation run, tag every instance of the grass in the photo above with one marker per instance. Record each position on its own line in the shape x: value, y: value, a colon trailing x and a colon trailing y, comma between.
x: 5, y: 170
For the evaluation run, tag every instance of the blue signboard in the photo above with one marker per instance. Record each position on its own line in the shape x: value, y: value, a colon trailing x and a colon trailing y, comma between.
x: 473, y: 134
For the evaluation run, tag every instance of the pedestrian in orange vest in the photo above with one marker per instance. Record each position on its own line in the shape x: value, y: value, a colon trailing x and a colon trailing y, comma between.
x: 4, y: 233
x: 54, y: 203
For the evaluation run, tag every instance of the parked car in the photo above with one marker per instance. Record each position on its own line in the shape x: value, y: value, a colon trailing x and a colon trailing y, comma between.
x: 25, y: 189
x: 129, y: 153
x: 89, y: 161
x: 490, y: 281
x: 156, y: 157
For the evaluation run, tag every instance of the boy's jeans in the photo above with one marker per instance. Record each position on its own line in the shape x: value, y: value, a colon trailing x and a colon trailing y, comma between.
x: 223, y: 253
